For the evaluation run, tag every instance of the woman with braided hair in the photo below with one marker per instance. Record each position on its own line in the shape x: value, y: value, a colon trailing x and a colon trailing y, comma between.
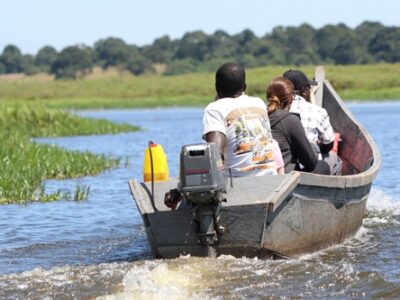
x: 288, y: 130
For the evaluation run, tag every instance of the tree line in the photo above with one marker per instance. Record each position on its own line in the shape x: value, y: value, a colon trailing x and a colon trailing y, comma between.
x: 370, y: 42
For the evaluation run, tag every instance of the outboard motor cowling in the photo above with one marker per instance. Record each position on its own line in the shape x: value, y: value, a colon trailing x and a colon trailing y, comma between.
x: 202, y: 182
x: 201, y: 173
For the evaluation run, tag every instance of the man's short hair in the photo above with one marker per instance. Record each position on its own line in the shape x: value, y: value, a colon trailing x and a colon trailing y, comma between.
x: 230, y: 79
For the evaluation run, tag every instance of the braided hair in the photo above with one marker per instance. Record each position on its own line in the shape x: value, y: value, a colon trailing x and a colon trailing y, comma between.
x: 279, y: 94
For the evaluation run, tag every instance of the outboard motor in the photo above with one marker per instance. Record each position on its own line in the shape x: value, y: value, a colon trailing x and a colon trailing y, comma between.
x: 202, y: 182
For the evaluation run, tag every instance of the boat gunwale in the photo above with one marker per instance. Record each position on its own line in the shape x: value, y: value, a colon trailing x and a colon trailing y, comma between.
x: 346, y: 181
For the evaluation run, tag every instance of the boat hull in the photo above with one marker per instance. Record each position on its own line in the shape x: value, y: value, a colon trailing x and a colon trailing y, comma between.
x: 315, y: 218
x: 302, y: 220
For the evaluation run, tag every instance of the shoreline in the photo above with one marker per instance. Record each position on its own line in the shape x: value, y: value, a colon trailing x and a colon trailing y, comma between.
x: 352, y: 82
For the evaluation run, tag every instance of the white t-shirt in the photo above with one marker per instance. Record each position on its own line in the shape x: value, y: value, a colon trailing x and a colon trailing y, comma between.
x: 244, y: 121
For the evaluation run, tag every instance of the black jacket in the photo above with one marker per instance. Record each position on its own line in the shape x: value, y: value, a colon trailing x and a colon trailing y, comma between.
x: 288, y: 131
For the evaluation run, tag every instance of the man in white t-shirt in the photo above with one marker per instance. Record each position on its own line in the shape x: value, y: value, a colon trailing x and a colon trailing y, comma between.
x: 239, y: 125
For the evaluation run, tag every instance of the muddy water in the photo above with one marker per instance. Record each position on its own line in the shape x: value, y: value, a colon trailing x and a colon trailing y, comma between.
x: 98, y: 248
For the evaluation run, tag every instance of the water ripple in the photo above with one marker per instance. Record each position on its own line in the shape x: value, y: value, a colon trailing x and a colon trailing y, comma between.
x: 98, y: 248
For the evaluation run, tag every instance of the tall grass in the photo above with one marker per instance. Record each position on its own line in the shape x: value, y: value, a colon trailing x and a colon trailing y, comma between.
x: 25, y: 164
x: 360, y: 82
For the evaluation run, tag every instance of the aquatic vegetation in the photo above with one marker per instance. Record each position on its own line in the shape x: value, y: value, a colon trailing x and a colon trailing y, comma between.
x: 38, y: 121
x: 24, y: 164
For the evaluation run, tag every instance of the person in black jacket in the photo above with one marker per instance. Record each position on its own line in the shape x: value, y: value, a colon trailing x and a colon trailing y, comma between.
x: 288, y: 130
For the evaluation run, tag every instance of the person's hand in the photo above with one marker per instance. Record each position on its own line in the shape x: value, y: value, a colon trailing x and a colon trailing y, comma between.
x: 172, y: 198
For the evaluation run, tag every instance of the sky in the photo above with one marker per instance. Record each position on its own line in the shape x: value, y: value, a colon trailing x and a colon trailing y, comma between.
x: 32, y: 24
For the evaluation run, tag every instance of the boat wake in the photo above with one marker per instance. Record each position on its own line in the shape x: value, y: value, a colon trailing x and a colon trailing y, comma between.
x: 160, y: 280
x: 341, y: 268
x: 379, y: 201
x: 203, y: 278
x: 382, y: 209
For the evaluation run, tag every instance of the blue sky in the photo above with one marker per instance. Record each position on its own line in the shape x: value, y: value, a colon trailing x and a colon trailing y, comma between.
x: 32, y: 24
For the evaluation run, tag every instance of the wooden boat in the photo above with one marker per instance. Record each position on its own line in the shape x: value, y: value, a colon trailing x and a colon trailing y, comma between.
x: 285, y: 215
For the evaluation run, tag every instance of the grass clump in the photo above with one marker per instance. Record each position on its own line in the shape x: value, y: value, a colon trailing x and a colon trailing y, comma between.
x: 25, y: 164
x: 38, y: 121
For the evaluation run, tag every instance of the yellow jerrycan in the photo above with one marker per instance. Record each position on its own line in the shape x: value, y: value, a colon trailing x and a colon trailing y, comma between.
x: 155, y: 163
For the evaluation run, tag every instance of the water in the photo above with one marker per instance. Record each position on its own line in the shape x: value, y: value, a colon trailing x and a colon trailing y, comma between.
x: 98, y: 248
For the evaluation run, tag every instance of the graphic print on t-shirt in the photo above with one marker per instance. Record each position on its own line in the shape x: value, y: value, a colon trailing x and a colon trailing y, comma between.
x: 251, y: 131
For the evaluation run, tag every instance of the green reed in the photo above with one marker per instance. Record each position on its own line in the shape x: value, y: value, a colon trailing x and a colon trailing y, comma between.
x: 38, y: 121
x: 24, y: 164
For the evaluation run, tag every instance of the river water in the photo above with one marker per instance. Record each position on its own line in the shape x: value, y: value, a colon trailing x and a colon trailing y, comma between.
x: 98, y: 248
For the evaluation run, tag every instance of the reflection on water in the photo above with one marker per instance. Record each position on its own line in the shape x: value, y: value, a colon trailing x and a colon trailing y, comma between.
x: 98, y: 248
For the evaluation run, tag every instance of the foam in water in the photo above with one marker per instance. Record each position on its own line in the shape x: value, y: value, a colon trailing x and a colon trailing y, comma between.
x: 382, y: 209
x: 159, y: 280
x: 378, y: 201
x: 185, y: 278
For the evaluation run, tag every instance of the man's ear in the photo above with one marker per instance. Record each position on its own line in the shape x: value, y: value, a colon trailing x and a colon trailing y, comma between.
x: 244, y: 87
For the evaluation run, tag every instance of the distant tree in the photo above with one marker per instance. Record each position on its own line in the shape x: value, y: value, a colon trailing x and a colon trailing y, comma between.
x: 339, y: 44
x: 161, y: 51
x: 246, y: 44
x: 221, y: 46
x: 72, y: 62
x: 45, y: 57
x: 265, y: 52
x: 366, y: 31
x: 385, y: 46
x: 2, y: 68
x: 345, y: 52
x: 90, y: 52
x: 198, y: 52
x: 192, y: 45
x: 244, y: 37
x: 301, y: 46
x: 111, y: 52
x: 136, y: 63
x: 12, y: 59
x: 139, y: 65
x: 28, y: 65
x: 278, y: 36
